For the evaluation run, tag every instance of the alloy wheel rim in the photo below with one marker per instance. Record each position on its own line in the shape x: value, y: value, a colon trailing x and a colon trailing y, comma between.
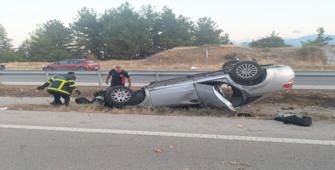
x: 246, y: 71
x: 121, y: 95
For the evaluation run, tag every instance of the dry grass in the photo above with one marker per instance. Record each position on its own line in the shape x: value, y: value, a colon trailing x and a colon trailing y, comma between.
x: 320, y: 104
x: 127, y: 110
x: 188, y: 58
x: 30, y: 91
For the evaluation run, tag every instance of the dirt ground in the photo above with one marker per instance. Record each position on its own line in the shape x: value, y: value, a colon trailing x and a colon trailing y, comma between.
x: 194, y: 58
x: 320, y: 104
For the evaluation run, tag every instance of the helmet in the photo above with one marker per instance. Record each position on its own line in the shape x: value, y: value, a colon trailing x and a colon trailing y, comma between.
x: 72, y: 75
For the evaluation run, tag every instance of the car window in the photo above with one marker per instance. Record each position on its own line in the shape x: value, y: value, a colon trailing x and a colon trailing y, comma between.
x: 91, y: 62
x: 76, y: 62
x: 62, y: 62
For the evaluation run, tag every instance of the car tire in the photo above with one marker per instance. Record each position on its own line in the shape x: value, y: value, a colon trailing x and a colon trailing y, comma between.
x: 228, y: 66
x: 246, y: 73
x: 82, y: 69
x: 118, y: 96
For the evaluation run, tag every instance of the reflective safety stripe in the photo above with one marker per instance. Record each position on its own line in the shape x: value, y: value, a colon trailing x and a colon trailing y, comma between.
x: 62, y: 84
x: 59, y: 90
x: 60, y: 87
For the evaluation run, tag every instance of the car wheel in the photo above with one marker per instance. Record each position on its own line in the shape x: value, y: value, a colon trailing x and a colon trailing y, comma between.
x: 82, y: 69
x: 246, y: 73
x: 228, y: 66
x: 118, y: 96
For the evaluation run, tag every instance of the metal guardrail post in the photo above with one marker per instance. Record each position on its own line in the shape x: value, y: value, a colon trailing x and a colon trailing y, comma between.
x: 47, y: 75
x: 157, y: 76
x: 100, y: 78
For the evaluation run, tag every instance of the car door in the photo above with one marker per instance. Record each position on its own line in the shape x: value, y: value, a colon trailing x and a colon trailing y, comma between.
x: 208, y: 95
x: 61, y: 65
x: 72, y: 65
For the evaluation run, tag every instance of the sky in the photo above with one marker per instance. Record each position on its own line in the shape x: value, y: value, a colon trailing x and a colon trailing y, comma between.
x: 241, y: 19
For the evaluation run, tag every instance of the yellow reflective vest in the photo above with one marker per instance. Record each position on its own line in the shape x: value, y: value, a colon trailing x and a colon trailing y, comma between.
x: 61, y: 85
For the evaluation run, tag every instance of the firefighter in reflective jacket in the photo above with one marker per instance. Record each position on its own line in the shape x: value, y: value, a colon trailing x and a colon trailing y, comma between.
x: 61, y: 87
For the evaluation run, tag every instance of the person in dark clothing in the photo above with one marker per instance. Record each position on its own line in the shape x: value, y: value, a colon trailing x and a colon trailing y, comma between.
x: 118, y: 77
x: 61, y: 87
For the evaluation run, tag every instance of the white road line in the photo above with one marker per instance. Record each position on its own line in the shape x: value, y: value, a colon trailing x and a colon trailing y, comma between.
x: 173, y: 134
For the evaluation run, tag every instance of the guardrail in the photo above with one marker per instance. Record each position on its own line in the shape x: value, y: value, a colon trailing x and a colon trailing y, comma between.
x: 157, y: 75
x: 100, y: 74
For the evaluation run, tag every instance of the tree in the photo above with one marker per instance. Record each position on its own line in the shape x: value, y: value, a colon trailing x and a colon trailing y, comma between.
x: 152, y: 26
x: 124, y: 33
x: 274, y: 40
x: 5, y: 42
x: 207, y: 32
x: 320, y: 41
x: 87, y: 32
x: 50, y: 42
x: 173, y: 31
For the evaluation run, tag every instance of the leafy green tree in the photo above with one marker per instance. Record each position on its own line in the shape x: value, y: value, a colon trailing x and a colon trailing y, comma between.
x: 207, y: 32
x: 320, y: 41
x: 87, y: 32
x: 174, y: 31
x: 7, y: 54
x: 153, y: 28
x: 5, y: 42
x: 274, y: 40
x: 124, y: 33
x: 118, y: 33
x: 50, y: 42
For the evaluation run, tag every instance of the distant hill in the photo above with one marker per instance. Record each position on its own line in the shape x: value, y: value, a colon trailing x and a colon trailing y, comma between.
x: 297, y: 41
x: 290, y: 41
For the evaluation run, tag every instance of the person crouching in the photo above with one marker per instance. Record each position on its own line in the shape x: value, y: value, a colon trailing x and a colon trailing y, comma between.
x: 61, y: 87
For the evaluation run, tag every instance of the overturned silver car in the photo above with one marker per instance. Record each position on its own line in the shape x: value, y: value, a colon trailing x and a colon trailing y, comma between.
x: 247, y: 81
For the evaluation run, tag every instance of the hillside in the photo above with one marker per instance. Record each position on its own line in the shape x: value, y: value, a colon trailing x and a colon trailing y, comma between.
x: 187, y: 58
x: 195, y: 56
x: 297, y: 41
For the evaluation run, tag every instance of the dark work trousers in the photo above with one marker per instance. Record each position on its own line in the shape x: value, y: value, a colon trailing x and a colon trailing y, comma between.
x: 58, y: 96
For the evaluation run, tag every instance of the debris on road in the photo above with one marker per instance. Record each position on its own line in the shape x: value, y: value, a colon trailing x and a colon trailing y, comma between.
x: 158, y: 150
x: 288, y: 108
x: 232, y: 162
x: 3, y: 108
x: 239, y: 126
x: 290, y: 118
x: 246, y: 164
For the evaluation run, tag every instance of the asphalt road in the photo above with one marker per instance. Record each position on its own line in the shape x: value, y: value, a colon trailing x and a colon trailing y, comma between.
x: 39, y: 140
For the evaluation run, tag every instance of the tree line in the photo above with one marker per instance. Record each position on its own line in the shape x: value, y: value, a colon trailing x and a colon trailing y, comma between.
x: 124, y: 33
x: 118, y: 33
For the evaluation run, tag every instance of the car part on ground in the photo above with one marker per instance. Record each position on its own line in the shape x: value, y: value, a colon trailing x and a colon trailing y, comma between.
x: 118, y: 96
x: 246, y: 83
x: 99, y: 98
x: 290, y: 118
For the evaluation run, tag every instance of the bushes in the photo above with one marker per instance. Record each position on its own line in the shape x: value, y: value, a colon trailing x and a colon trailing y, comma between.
x: 306, y: 49
x: 10, y: 56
